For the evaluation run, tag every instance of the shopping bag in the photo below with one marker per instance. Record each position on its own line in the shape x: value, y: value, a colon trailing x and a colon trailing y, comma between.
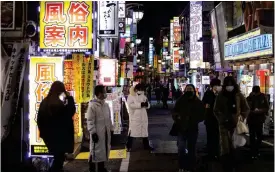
x: 242, y: 128
x: 238, y: 139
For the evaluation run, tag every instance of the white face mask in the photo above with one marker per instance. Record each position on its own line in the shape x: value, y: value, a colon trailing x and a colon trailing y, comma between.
x: 62, y: 96
x: 140, y: 92
x: 229, y: 88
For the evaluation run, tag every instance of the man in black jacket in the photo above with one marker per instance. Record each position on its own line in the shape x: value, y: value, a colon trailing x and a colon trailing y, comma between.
x: 211, y: 123
x: 258, y: 110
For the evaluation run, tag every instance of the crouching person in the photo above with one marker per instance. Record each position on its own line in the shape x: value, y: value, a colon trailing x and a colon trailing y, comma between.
x: 100, y: 126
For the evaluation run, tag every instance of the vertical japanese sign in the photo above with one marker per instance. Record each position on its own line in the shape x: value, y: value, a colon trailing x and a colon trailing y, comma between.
x: 151, y: 51
x: 171, y: 37
x: 107, y: 72
x: 89, y: 74
x: 108, y: 18
x: 69, y: 86
x: 122, y: 68
x: 77, y: 63
x: 176, y: 59
x: 121, y: 9
x: 155, y: 61
x: 7, y: 15
x: 43, y: 72
x: 196, y: 48
x: 66, y: 25
x: 215, y: 41
x: 12, y: 84
x: 176, y: 32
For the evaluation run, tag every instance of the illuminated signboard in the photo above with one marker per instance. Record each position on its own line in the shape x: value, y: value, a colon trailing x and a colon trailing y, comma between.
x: 107, y: 72
x: 151, y: 49
x: 196, y: 48
x: 66, y: 26
x: 171, y: 36
x: 108, y: 19
x: 43, y: 72
x: 176, y: 31
x: 176, y: 59
x: 247, y: 47
x: 121, y: 9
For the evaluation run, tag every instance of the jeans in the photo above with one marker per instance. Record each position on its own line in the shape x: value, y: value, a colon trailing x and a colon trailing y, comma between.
x: 255, y: 131
x: 187, y: 159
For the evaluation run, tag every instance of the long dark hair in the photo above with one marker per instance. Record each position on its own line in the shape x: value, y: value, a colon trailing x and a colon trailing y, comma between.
x: 230, y: 79
x: 52, y: 100
x: 194, y: 88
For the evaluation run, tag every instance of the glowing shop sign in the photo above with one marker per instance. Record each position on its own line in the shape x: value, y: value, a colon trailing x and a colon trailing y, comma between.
x: 43, y: 72
x: 255, y: 46
x: 107, y: 72
x: 196, y: 48
x: 66, y: 25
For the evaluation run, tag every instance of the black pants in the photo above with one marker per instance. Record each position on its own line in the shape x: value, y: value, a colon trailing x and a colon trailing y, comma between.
x: 187, y: 141
x: 145, y: 140
x: 100, y: 166
x: 164, y: 101
x: 59, y: 158
x: 212, y: 130
x: 256, y: 137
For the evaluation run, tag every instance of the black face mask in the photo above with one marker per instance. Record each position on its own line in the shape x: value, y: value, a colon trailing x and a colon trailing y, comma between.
x: 189, y: 94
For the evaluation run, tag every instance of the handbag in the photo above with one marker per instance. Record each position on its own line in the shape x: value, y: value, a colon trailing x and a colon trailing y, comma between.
x: 241, y: 127
x: 174, y: 130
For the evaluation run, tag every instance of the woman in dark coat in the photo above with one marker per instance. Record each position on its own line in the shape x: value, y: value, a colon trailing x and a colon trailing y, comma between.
x: 55, y: 123
x: 230, y: 105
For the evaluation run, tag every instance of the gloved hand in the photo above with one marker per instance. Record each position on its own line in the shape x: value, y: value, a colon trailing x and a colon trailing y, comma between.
x: 95, y: 137
x: 144, y: 104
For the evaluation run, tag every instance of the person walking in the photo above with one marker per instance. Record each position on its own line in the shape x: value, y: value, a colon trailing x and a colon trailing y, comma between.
x: 188, y: 112
x: 55, y: 123
x: 165, y: 95
x: 100, y: 126
x: 259, y: 109
x: 138, y: 123
x: 211, y: 122
x: 230, y: 106
x: 158, y: 92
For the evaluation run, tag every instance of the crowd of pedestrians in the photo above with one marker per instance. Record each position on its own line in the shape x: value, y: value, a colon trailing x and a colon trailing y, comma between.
x: 222, y: 108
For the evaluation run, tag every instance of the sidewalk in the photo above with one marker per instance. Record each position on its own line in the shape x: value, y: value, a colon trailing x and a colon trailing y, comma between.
x: 164, y: 159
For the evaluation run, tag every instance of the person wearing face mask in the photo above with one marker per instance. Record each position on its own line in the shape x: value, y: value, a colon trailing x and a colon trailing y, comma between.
x: 100, y: 126
x: 138, y: 119
x: 211, y: 123
x: 55, y: 124
x: 188, y: 112
x: 230, y: 106
x: 259, y: 109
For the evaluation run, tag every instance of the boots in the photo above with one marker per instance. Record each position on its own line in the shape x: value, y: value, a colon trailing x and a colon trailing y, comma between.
x: 92, y: 166
x: 147, y: 145
x: 101, y: 167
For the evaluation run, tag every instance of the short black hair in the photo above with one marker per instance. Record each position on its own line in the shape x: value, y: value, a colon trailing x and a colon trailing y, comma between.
x: 99, y: 89
x: 215, y: 82
x: 256, y: 89
x: 139, y: 87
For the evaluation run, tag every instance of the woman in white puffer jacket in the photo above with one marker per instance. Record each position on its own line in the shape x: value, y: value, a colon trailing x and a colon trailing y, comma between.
x: 138, y: 119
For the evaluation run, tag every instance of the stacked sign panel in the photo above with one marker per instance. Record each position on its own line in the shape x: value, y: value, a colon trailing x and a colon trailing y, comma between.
x: 66, y: 25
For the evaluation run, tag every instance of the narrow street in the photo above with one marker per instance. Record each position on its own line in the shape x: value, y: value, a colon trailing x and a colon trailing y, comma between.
x: 165, y: 156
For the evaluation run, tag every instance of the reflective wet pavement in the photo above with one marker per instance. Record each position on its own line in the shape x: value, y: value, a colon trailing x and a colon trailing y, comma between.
x: 164, y: 158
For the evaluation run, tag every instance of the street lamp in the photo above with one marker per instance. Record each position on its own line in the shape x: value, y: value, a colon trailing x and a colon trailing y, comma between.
x: 132, y: 45
x: 140, y: 52
x: 138, y: 60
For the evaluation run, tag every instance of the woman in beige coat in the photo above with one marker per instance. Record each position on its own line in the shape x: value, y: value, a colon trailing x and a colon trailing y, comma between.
x: 229, y: 106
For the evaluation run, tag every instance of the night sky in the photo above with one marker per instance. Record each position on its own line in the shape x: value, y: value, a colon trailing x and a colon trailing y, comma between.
x: 157, y: 14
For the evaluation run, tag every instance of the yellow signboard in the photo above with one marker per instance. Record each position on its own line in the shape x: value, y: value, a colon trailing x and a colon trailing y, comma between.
x: 66, y: 25
x: 43, y: 72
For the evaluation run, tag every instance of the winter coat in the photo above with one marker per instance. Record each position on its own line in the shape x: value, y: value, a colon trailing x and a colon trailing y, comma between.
x: 209, y: 99
x: 221, y: 111
x: 260, y: 102
x: 55, y: 123
x: 187, y: 113
x: 99, y: 122
x: 138, y: 123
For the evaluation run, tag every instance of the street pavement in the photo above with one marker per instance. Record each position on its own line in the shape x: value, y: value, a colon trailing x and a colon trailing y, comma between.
x: 164, y: 158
